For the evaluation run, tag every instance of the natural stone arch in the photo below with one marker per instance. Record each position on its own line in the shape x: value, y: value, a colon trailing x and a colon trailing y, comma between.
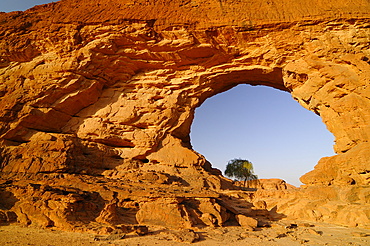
x: 113, y: 96
x: 183, y: 68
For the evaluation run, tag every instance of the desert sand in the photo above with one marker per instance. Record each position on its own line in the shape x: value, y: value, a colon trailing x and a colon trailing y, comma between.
x: 289, y: 233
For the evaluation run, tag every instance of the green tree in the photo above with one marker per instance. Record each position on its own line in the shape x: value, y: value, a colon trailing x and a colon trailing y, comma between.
x: 240, y: 169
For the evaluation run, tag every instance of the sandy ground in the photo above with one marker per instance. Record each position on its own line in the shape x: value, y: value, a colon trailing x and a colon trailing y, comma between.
x: 279, y: 234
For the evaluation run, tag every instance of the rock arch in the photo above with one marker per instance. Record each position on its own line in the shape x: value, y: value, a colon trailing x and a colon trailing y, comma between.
x: 133, y: 110
x: 108, y: 94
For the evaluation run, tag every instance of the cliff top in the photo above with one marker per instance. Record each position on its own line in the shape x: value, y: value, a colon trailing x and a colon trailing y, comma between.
x: 197, y: 13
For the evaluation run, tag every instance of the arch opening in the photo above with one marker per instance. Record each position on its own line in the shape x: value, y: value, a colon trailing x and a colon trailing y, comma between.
x: 264, y: 125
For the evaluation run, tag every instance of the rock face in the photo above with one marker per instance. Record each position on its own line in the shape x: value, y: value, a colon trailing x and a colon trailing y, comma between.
x: 98, y: 97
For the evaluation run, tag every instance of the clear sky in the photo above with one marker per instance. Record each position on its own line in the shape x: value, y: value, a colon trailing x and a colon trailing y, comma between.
x: 260, y: 124
x: 13, y: 5
x: 265, y: 126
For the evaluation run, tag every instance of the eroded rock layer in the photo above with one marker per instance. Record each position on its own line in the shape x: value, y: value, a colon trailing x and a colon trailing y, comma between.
x: 98, y: 97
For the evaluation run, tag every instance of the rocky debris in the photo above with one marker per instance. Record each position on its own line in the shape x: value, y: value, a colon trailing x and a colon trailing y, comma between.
x: 292, y: 231
x: 291, y: 226
x: 140, y: 230
x: 232, y: 235
x: 247, y: 222
x: 312, y: 231
x: 111, y: 237
x: 74, y: 202
x: 182, y: 236
x: 360, y: 234
x: 279, y: 233
x: 97, y: 109
x: 305, y: 224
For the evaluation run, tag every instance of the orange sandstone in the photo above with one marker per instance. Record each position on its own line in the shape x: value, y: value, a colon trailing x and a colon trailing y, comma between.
x: 98, y: 97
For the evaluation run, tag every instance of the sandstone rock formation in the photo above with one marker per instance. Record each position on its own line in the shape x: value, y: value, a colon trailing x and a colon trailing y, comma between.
x: 98, y: 97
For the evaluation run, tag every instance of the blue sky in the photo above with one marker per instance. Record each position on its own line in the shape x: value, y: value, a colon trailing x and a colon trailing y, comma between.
x: 260, y: 124
x: 13, y: 5
x: 265, y: 126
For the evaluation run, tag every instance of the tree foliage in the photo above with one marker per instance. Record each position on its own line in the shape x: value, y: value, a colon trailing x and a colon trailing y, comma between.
x: 240, y: 169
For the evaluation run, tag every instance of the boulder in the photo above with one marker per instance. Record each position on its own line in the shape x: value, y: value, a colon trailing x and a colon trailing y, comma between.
x: 246, y: 221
